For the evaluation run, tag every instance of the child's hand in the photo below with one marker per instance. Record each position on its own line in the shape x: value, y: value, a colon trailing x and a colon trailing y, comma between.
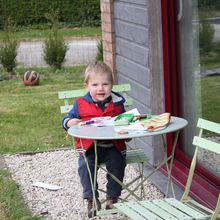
x: 73, y: 121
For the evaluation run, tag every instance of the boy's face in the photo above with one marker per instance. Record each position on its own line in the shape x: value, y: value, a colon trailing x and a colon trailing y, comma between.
x: 99, y: 87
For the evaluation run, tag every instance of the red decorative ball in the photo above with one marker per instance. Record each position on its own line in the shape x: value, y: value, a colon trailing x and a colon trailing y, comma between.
x: 31, y: 78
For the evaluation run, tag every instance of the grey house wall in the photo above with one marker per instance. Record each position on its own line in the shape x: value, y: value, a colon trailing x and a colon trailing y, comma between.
x: 139, y: 58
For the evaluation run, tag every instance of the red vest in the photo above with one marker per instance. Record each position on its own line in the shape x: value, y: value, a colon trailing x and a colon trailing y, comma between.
x: 89, y: 110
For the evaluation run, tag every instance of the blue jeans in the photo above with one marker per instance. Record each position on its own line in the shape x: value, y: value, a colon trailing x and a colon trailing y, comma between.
x: 115, y: 164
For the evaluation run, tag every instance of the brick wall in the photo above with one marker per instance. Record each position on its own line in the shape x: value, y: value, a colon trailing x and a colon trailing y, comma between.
x: 108, y: 34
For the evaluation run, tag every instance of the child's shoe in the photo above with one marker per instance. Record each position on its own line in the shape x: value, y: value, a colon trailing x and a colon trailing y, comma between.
x: 90, y: 208
x: 110, y: 202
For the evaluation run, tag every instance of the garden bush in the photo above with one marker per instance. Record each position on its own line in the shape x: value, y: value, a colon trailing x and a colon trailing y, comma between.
x: 99, y: 55
x: 55, y: 47
x: 206, y: 35
x: 8, y: 49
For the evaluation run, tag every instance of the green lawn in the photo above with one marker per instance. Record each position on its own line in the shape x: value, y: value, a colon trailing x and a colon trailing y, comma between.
x: 210, y: 60
x: 12, y: 206
x: 30, y: 118
x: 30, y: 34
x: 210, y: 97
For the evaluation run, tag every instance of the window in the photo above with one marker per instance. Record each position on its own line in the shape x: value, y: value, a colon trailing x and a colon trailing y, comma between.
x: 199, y: 75
x: 191, y: 44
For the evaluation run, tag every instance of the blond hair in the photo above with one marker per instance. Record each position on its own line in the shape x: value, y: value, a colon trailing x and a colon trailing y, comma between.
x: 98, y: 67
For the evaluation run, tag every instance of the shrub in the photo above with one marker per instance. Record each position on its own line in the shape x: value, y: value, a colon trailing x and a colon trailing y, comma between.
x: 99, y: 55
x: 55, y: 52
x: 8, y: 49
x: 55, y: 47
x: 206, y: 34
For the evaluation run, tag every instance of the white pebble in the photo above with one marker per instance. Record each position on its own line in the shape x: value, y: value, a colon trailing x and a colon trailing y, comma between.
x: 59, y: 168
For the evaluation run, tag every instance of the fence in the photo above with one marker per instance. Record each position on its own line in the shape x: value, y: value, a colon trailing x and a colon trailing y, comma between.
x: 81, y: 52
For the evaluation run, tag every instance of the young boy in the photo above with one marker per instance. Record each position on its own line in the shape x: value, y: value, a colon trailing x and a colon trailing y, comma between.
x: 100, y: 101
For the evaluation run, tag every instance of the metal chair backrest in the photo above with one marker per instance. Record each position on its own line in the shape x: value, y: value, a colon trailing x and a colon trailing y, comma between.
x: 69, y: 96
x: 208, y: 145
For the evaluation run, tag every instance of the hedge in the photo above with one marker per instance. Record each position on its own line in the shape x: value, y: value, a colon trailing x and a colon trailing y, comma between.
x: 31, y: 12
x: 209, y: 4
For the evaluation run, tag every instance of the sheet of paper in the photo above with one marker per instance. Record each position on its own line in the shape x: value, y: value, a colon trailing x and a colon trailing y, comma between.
x: 136, y: 126
x: 133, y: 111
x: 106, y: 121
x: 47, y: 186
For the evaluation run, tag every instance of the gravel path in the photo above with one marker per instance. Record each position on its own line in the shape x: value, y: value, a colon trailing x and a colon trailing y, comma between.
x: 59, y: 168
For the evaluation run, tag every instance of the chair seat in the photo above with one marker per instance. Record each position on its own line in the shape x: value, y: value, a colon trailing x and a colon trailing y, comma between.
x: 164, y: 209
x: 136, y: 156
x: 132, y: 156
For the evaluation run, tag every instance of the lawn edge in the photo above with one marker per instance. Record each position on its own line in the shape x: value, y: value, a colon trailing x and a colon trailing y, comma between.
x: 7, y: 181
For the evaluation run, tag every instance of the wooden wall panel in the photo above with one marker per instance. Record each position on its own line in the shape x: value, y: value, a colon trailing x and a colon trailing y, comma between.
x: 138, y: 55
x: 131, y: 13
x: 132, y: 32
x: 132, y: 51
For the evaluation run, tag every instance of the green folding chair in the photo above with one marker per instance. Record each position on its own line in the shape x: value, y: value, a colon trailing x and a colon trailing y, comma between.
x: 186, y: 208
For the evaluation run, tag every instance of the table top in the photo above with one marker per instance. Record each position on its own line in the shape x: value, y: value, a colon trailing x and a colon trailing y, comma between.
x: 108, y: 132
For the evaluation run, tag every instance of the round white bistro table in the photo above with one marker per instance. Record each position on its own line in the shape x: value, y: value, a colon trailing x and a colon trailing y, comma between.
x: 108, y: 133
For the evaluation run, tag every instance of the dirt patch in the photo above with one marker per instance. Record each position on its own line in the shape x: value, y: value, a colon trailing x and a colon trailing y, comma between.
x: 3, y: 215
x: 2, y: 163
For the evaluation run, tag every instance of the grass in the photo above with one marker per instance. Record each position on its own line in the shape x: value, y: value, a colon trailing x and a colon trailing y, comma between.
x: 3, y: 215
x: 210, y: 98
x: 210, y: 85
x: 210, y: 60
x: 11, y: 200
x: 30, y: 118
x: 30, y: 34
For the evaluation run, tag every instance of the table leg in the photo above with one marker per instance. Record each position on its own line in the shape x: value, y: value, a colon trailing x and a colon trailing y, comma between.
x: 93, y: 184
x: 165, y: 162
x: 95, y: 176
x: 169, y: 167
